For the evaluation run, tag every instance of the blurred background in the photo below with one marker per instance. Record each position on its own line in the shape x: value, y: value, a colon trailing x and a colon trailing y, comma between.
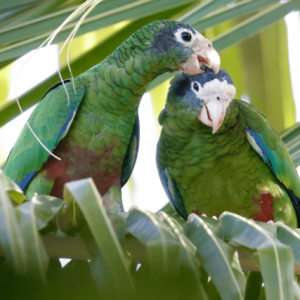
x: 258, y: 41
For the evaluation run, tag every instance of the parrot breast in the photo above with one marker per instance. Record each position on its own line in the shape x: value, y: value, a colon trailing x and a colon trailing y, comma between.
x: 77, y: 163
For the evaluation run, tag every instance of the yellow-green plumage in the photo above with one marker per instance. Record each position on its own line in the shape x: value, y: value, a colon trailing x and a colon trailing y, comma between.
x: 223, y: 171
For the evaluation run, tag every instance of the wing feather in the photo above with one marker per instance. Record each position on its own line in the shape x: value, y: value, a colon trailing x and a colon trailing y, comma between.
x: 267, y: 143
x: 50, y: 121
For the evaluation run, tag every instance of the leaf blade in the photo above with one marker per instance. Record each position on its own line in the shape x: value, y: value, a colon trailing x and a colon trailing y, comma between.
x: 230, y: 283
x: 89, y: 200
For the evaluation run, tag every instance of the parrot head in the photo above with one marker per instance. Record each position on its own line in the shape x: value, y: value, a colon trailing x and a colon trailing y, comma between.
x: 178, y: 46
x: 203, y: 98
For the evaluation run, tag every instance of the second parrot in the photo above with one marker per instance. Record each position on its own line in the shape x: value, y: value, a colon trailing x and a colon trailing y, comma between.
x: 216, y: 154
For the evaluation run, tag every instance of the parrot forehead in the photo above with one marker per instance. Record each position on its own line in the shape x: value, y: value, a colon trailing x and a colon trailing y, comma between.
x: 216, y: 86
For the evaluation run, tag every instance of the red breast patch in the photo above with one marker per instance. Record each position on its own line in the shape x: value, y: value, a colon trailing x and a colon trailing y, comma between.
x: 265, y: 213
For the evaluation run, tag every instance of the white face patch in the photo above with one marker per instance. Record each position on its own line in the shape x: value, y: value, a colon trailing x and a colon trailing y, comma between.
x: 214, y: 87
x: 217, y: 96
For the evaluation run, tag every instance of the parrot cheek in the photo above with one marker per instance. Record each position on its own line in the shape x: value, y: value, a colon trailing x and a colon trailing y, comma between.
x: 204, y: 116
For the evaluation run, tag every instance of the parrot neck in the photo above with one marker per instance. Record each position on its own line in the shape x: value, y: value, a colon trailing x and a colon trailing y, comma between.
x: 125, y: 77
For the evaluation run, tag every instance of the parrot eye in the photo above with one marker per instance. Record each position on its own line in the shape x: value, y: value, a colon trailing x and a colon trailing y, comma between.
x: 186, y: 36
x: 196, y: 86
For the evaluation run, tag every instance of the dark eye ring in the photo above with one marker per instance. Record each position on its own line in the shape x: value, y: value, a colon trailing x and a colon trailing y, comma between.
x: 196, y: 86
x: 186, y: 36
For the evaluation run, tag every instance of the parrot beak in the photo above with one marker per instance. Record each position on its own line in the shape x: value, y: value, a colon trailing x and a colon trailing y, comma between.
x: 204, y: 55
x: 217, y: 97
x: 213, y: 112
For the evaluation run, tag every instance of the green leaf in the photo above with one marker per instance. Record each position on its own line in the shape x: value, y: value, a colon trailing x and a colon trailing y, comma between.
x: 117, y: 13
x: 89, y: 200
x: 119, y: 225
x: 202, y: 10
x: 162, y: 250
x: 45, y: 208
x: 6, y: 6
x: 11, y: 237
x: 74, y: 281
x: 187, y: 256
x: 215, y: 226
x: 275, y: 259
x: 240, y: 9
x: 290, y: 237
x: 161, y: 274
x: 36, y: 257
x: 253, y: 287
x: 296, y: 290
x: 254, y: 24
x: 48, y: 23
x: 12, y: 189
x: 69, y: 219
x: 220, y: 260
x: 291, y: 138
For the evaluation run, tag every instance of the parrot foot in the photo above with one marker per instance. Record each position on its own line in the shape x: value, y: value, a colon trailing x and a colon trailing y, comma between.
x: 112, y: 201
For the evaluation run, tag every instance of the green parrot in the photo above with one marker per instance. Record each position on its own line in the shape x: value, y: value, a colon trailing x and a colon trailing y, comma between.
x: 95, y: 131
x: 216, y: 154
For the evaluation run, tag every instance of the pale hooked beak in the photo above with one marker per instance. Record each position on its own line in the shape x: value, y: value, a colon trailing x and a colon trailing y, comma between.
x: 204, y: 55
x: 213, y: 112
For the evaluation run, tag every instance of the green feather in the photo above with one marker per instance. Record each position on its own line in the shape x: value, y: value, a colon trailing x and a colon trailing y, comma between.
x: 47, y: 120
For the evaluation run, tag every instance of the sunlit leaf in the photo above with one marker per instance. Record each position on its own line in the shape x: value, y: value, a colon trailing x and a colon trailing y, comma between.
x: 117, y: 13
x: 45, y: 208
x: 36, y: 257
x: 11, y: 237
x: 89, y: 200
x: 187, y: 255
x: 275, y: 258
x: 290, y: 237
x: 254, y: 24
x: 238, y: 10
x: 13, y: 190
x: 220, y: 260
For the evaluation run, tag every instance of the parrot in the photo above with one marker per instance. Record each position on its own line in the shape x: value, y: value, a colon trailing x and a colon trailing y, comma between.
x: 91, y: 123
x: 216, y: 153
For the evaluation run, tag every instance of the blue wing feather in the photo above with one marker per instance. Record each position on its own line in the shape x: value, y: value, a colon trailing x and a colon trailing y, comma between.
x: 23, y: 183
x: 172, y: 191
